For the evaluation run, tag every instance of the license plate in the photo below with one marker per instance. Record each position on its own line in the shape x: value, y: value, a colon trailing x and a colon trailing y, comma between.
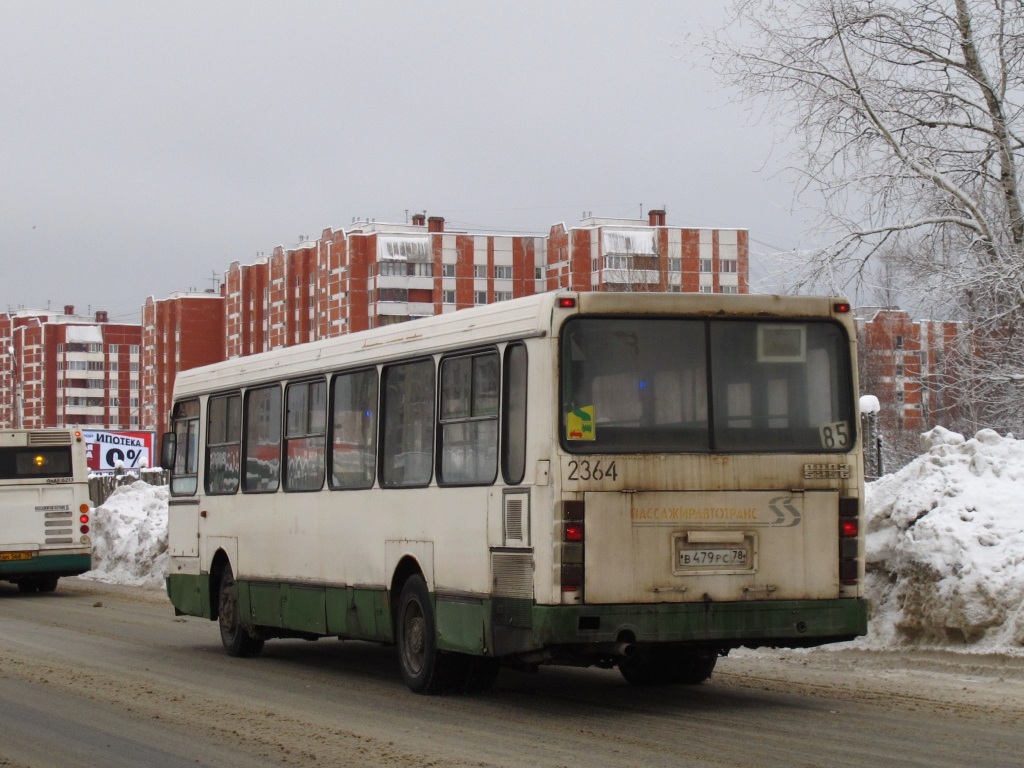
x: 5, y: 556
x: 713, y: 557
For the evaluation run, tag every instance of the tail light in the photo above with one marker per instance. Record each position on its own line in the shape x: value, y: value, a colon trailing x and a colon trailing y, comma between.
x: 849, y: 541
x: 83, y: 518
x: 572, y: 551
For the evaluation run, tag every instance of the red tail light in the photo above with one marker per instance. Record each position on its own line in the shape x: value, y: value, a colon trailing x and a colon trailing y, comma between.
x: 849, y: 541
x: 572, y: 551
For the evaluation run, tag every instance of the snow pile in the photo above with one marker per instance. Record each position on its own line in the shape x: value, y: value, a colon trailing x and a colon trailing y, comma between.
x: 944, y: 540
x: 945, y: 546
x: 130, y: 536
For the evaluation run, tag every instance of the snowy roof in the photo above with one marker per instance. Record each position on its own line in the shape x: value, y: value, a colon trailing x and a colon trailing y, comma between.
x: 85, y: 333
x: 639, y: 242
x: 407, y: 248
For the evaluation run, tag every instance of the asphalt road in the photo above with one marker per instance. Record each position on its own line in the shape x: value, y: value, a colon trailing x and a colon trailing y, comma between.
x: 94, y: 675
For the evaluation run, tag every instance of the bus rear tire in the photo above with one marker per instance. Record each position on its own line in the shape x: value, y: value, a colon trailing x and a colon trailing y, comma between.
x: 38, y: 584
x: 695, y: 668
x: 424, y: 669
x: 236, y: 636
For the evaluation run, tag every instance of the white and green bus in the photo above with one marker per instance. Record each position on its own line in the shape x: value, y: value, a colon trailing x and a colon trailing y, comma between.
x: 45, y: 509
x: 637, y: 480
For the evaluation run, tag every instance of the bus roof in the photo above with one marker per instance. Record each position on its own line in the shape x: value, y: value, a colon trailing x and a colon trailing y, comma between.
x: 526, y: 317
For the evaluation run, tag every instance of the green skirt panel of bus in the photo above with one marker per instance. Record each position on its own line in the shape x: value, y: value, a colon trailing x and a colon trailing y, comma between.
x: 505, y: 626
x: 31, y: 563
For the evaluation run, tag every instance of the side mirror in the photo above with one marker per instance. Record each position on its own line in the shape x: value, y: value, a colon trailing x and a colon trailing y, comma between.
x: 168, y: 450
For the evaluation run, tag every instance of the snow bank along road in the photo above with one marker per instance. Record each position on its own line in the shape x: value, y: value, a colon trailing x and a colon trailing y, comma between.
x: 107, y: 675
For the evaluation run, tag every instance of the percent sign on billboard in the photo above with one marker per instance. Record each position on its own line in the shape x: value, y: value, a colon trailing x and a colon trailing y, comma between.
x: 108, y: 450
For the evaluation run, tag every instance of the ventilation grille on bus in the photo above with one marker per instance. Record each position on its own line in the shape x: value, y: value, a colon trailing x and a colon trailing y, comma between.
x: 512, y: 573
x: 517, y: 519
x: 49, y: 438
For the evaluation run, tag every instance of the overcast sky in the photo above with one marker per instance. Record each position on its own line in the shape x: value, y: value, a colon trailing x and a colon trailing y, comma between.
x: 146, y: 145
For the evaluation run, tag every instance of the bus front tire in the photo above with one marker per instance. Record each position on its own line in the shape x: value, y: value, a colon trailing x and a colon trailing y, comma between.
x: 236, y: 636
x: 424, y: 668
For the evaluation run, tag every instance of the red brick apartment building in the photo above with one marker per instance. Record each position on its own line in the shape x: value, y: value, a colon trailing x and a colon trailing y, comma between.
x: 375, y: 274
x: 63, y: 369
x: 183, y: 331
x: 903, y: 363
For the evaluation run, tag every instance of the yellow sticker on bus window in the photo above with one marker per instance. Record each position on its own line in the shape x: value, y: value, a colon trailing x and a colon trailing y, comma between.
x: 579, y: 424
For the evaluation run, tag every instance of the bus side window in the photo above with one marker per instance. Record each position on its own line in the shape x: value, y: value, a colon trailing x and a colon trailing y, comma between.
x: 185, y: 474
x: 469, y: 419
x: 262, y: 440
x: 306, y: 429
x: 408, y: 425
x: 223, y: 444
x: 354, y: 429
x: 513, y: 427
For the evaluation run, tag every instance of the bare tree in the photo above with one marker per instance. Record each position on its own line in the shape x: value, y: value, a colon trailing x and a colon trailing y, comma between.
x: 908, y: 116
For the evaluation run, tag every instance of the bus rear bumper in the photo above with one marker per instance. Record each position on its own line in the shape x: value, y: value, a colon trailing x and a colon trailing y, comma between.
x: 753, y: 624
x: 45, y: 564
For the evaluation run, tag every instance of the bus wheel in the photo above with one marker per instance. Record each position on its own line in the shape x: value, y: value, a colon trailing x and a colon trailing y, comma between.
x: 47, y: 583
x: 27, y: 586
x: 236, y: 636
x: 424, y: 668
x: 647, y: 666
x: 695, y: 668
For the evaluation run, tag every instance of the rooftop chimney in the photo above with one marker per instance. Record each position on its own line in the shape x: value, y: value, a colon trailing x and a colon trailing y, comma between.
x: 101, y: 316
x: 435, y: 224
x: 656, y: 217
x: 419, y: 220
x: 69, y: 309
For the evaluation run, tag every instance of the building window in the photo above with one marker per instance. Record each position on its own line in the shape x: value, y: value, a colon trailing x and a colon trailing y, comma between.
x: 479, y: 297
x: 447, y: 270
x: 503, y: 273
x: 502, y: 295
x: 727, y: 265
x: 675, y: 265
x: 538, y: 273
x: 899, y: 370
x: 448, y: 297
x: 707, y: 289
x: 729, y: 289
x: 899, y: 342
x: 705, y: 265
x: 479, y: 270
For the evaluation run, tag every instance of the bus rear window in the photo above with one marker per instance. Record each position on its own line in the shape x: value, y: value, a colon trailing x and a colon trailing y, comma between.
x: 21, y: 463
x: 663, y: 385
